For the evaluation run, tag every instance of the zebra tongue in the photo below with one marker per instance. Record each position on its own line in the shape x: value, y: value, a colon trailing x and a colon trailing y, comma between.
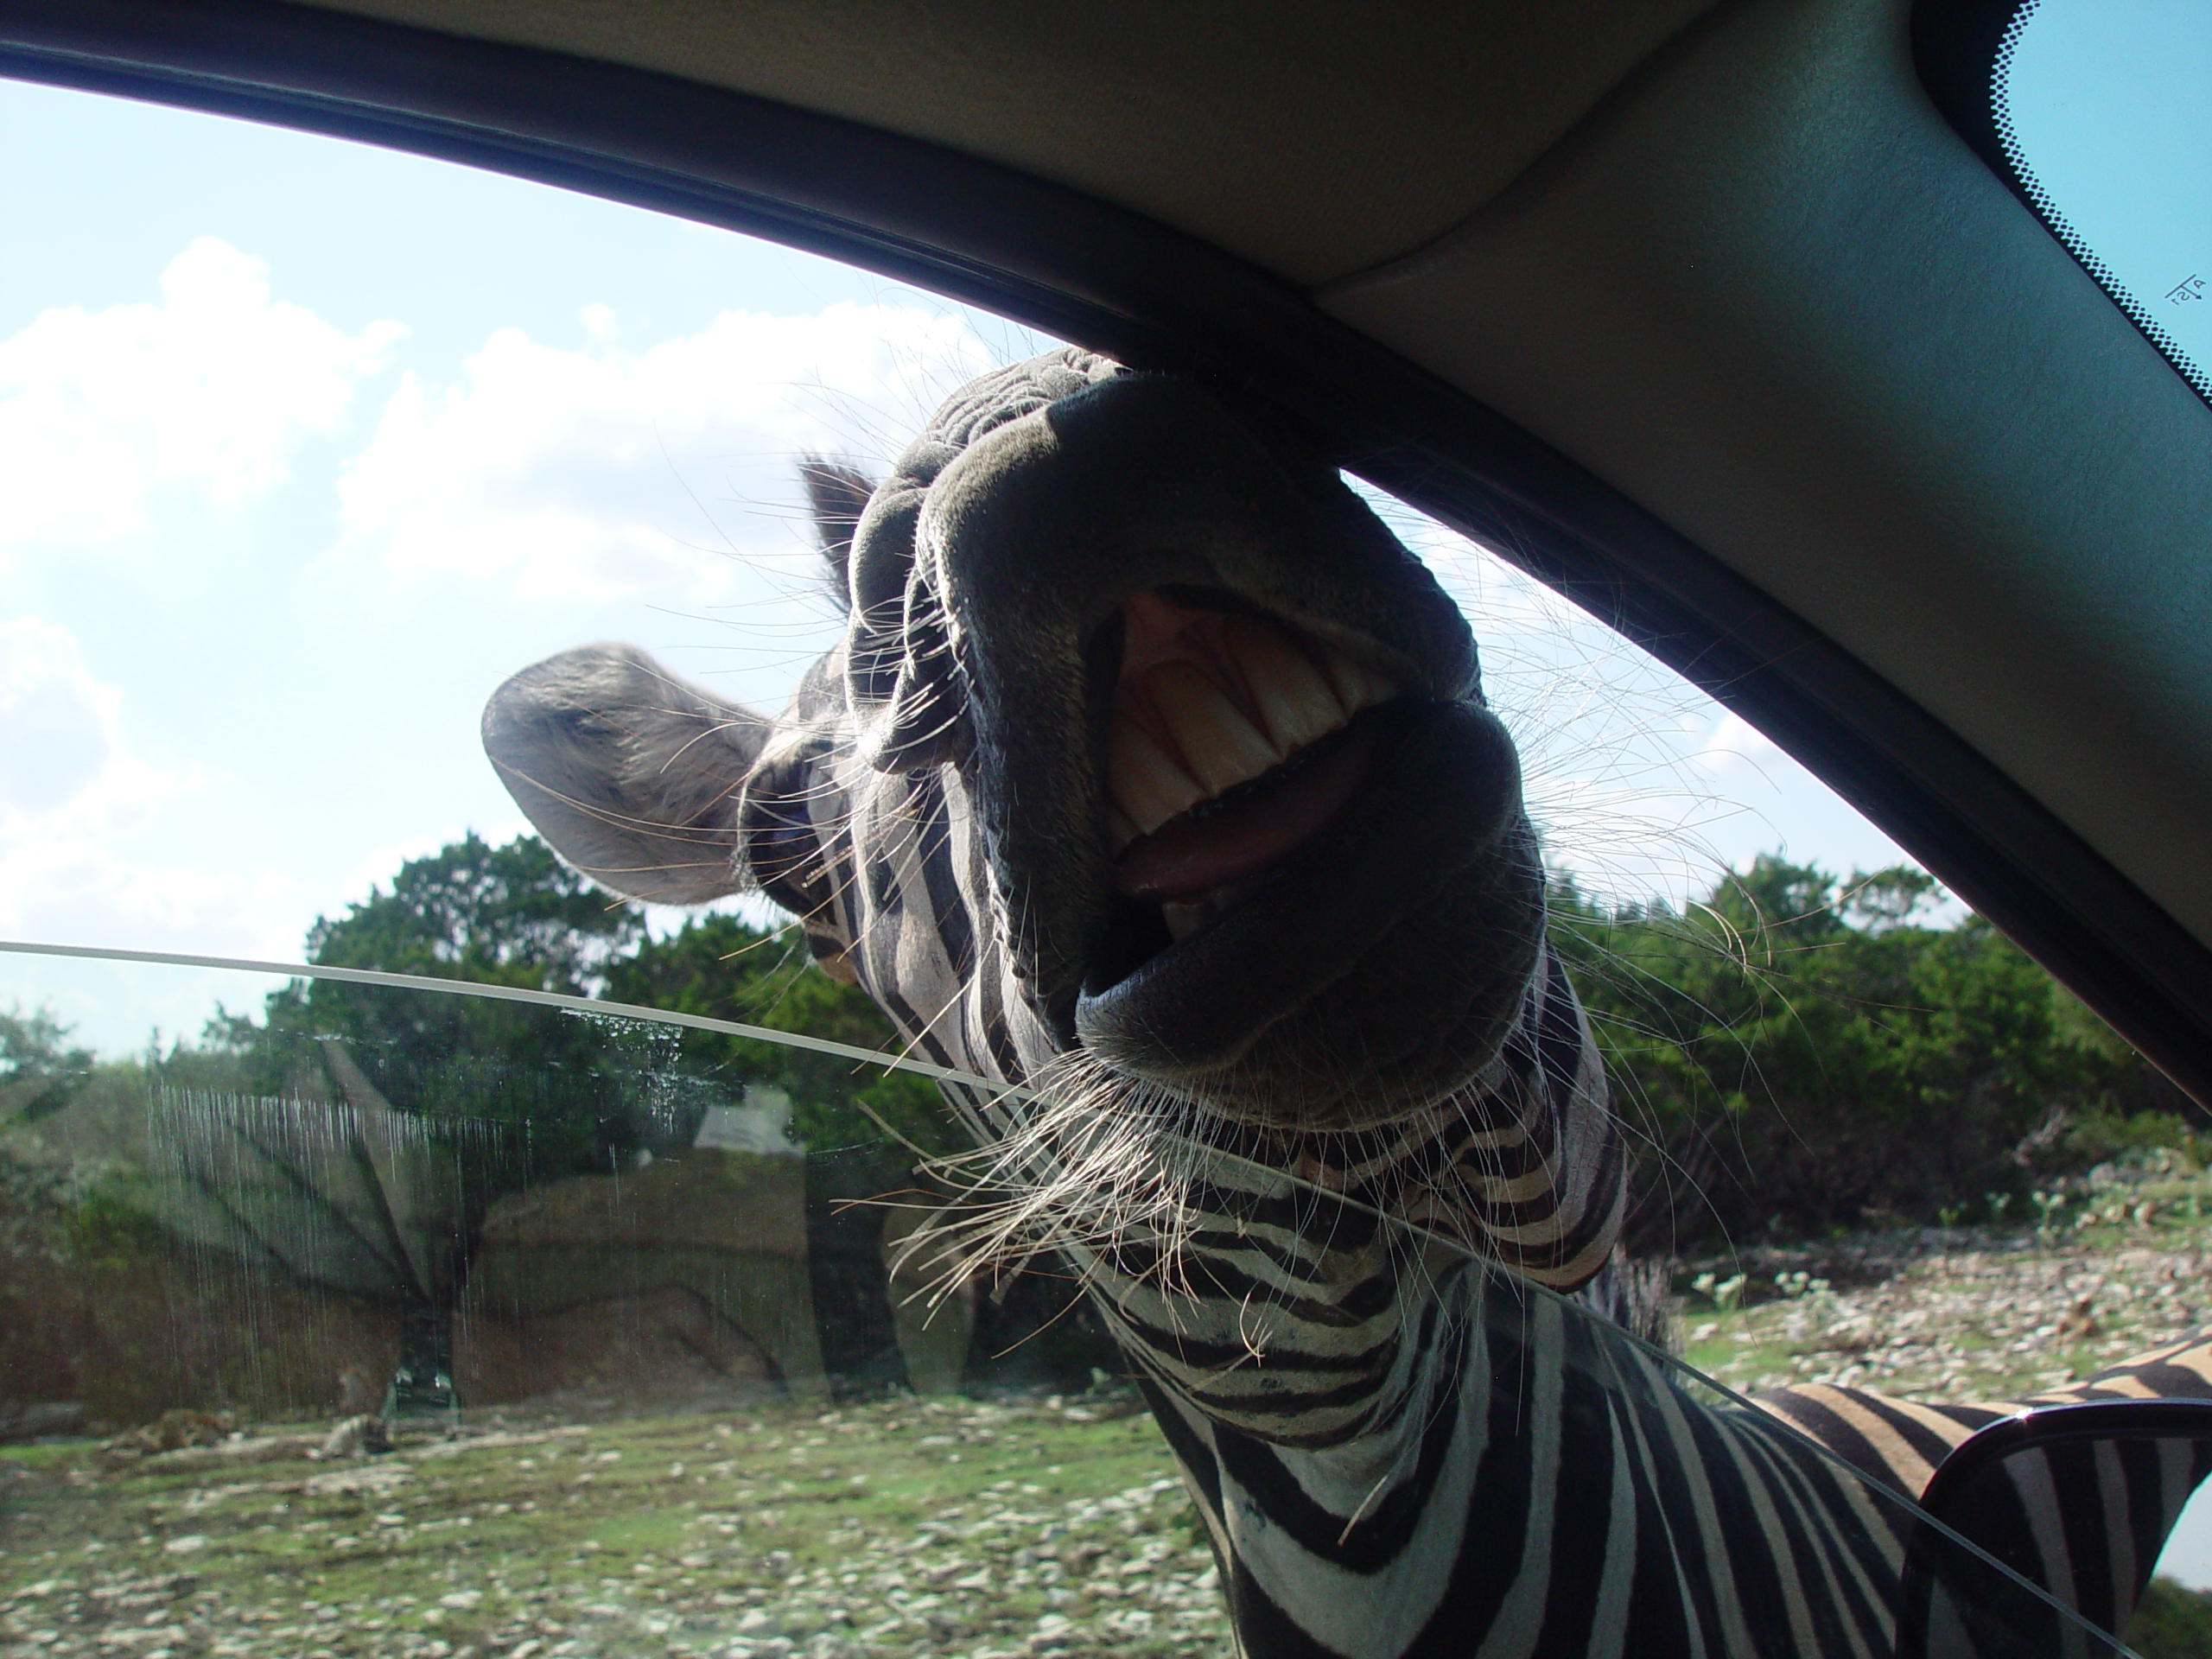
x: 1247, y: 830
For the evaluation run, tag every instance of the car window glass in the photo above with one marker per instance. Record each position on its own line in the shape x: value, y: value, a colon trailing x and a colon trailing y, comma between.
x: 2101, y: 109
x: 648, y: 1387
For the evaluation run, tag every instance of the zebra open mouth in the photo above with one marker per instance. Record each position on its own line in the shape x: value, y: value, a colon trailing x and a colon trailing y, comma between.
x: 1233, y: 740
x: 1298, y: 844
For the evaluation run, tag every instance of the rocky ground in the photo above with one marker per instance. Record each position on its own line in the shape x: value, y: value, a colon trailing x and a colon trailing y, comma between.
x: 981, y: 1528
x: 1956, y: 1313
x: 1008, y: 1529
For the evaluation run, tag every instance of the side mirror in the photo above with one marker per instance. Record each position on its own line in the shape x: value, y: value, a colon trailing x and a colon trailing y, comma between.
x: 2079, y: 1499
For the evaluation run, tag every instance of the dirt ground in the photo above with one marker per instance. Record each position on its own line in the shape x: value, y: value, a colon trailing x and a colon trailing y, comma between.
x: 1950, y: 1314
x: 1020, y: 1526
x: 1015, y: 1528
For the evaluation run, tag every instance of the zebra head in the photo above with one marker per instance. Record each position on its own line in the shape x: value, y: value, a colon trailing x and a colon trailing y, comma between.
x: 1150, y: 759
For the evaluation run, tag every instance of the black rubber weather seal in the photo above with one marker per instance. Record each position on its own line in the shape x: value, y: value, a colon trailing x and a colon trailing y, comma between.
x: 1112, y: 280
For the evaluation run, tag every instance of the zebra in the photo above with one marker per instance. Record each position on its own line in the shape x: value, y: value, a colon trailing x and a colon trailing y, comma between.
x: 1151, y: 785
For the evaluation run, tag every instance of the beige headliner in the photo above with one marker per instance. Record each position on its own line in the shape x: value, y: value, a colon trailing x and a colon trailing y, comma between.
x: 1316, y: 137
x: 1778, y: 301
x: 1761, y: 287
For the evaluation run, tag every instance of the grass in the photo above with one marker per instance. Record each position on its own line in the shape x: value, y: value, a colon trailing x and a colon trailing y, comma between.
x: 1017, y: 1528
x: 893, y: 1528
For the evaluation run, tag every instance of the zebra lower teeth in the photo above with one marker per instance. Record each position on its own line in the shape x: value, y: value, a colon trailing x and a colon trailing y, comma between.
x: 1208, y: 702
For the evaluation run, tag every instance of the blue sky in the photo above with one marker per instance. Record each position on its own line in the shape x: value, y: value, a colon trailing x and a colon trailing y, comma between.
x: 305, y: 446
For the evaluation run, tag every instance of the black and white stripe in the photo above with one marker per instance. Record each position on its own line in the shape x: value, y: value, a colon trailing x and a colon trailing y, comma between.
x: 1398, y: 1450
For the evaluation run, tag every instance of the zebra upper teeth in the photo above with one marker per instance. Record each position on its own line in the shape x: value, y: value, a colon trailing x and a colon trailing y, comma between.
x: 1228, y: 700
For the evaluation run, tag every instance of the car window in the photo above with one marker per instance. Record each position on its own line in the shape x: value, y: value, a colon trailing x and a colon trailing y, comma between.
x: 404, y: 1244
x: 2099, y: 108
x: 465, y: 1370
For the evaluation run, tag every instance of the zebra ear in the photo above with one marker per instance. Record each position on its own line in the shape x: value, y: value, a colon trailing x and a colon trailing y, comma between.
x: 839, y: 495
x: 631, y: 774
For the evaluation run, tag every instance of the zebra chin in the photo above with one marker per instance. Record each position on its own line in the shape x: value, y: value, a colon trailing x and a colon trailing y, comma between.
x: 1373, y: 972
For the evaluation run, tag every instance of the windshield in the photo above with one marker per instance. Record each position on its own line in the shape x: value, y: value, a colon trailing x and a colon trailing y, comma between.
x: 2099, y: 104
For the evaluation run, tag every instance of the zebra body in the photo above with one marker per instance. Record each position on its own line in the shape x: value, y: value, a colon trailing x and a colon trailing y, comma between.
x: 1541, y: 1492
x: 1290, y: 1129
x: 1353, y: 1510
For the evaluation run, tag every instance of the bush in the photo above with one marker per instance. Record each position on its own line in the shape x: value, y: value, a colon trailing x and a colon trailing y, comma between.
x: 2172, y: 1622
x: 1796, y: 1054
x: 2099, y: 1136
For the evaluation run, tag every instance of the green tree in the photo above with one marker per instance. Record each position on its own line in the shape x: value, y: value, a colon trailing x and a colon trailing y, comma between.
x: 1799, y: 1050
x: 510, y: 1094
x: 545, y: 1084
x: 718, y: 966
x: 2172, y: 1622
x: 40, y: 1072
x: 513, y: 1094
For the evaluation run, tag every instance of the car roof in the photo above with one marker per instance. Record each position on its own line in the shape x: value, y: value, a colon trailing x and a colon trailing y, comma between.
x: 1704, y: 314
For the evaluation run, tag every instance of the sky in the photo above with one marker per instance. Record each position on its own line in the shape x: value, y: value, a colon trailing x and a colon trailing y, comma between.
x: 305, y: 446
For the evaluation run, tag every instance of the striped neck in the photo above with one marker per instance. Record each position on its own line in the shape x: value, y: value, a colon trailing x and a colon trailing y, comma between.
x: 1267, y: 1279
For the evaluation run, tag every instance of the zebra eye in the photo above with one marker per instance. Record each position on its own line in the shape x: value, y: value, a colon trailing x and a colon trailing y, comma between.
x: 833, y: 956
x: 785, y: 858
x: 782, y: 847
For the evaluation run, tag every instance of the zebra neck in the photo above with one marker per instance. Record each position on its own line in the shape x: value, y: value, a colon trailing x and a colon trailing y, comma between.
x: 1353, y: 1548
x: 1547, y: 1488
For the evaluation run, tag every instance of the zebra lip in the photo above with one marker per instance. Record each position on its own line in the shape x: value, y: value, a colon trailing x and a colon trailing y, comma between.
x: 1250, y: 828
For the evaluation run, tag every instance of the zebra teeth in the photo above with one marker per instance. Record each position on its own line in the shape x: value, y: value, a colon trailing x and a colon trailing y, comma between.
x: 1147, y: 783
x: 1119, y: 831
x: 1356, y: 687
x: 1240, y: 697
x: 1291, y: 695
x: 1220, y: 746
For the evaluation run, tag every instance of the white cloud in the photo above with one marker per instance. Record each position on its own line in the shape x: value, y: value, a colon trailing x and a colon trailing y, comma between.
x: 211, y: 391
x: 605, y: 473
x: 1735, y: 746
x: 73, y: 791
x: 67, y: 762
x: 59, y: 891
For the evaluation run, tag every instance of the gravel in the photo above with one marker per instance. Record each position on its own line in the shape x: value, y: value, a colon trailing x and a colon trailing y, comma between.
x: 1015, y: 1528
x: 1955, y: 1314
x: 1005, y: 1529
